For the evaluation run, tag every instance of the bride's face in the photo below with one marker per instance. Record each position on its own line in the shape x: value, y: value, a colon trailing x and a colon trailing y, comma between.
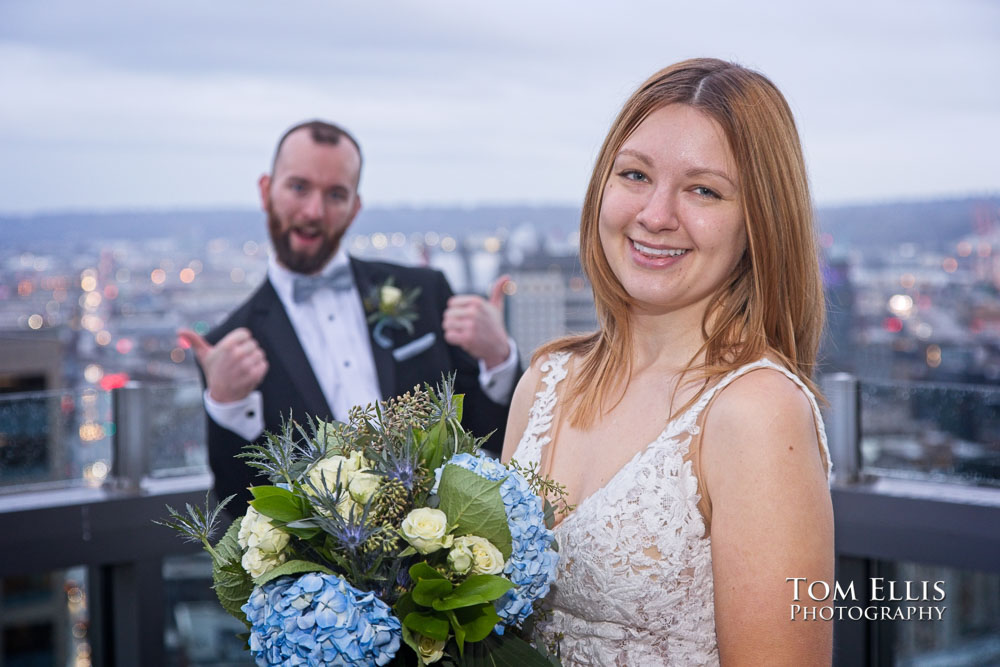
x: 671, y: 221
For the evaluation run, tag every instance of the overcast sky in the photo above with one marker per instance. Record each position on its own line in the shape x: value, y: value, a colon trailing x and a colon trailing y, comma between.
x: 138, y: 104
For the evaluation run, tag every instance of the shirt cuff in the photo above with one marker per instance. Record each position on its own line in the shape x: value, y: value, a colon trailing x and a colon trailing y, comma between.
x: 498, y: 382
x: 244, y: 418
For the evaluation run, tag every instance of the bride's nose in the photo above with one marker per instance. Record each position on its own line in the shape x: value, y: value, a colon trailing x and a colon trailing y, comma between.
x: 660, y: 210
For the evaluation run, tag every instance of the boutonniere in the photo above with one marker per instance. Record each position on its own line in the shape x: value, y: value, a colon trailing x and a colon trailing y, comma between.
x: 390, y: 307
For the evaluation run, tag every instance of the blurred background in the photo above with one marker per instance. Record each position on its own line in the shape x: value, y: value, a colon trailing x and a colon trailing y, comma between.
x: 131, y: 139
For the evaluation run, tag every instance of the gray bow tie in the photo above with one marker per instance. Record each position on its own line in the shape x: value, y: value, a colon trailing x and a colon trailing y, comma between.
x: 339, y: 280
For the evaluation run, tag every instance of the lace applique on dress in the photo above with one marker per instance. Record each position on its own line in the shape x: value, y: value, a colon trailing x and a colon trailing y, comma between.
x: 634, y: 585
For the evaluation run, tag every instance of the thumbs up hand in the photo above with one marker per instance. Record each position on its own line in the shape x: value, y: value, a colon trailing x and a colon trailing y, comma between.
x: 233, y: 367
x: 476, y: 325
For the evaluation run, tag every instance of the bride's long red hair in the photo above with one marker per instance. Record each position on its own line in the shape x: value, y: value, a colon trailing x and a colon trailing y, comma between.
x: 773, y: 303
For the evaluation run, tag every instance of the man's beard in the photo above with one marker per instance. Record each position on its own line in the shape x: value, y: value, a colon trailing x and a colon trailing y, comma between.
x: 297, y: 261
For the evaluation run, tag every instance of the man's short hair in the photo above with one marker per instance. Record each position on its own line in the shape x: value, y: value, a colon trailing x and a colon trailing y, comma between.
x: 321, y: 132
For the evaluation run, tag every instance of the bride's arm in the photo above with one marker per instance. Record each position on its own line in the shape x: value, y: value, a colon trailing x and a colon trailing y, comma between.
x: 520, y: 407
x: 772, y: 520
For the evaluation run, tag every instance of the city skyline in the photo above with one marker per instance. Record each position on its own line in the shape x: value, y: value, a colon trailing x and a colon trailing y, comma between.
x: 126, y: 107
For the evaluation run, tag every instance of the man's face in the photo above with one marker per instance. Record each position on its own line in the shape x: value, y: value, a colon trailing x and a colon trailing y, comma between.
x: 310, y: 199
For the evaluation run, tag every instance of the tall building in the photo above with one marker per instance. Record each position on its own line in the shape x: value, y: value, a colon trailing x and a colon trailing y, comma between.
x: 552, y: 299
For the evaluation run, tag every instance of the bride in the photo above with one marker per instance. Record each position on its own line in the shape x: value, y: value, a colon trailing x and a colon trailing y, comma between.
x: 686, y: 429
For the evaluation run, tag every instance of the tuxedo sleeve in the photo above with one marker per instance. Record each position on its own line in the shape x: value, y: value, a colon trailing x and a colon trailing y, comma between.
x: 232, y: 476
x: 480, y: 414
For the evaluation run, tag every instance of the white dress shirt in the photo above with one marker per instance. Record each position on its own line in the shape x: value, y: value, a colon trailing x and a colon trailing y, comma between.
x: 333, y: 331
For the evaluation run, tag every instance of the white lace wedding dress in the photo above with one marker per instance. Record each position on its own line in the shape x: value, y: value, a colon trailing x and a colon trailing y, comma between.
x: 634, y: 585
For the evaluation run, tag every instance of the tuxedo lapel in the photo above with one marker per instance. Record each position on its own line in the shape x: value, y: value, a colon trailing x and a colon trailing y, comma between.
x: 280, y: 341
x: 367, y: 278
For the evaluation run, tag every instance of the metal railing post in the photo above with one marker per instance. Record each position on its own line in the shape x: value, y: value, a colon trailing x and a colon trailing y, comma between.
x: 843, y: 425
x: 130, y: 461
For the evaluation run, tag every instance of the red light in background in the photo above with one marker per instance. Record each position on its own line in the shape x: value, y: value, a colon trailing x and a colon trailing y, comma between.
x: 113, y: 381
x: 893, y: 324
x: 124, y: 346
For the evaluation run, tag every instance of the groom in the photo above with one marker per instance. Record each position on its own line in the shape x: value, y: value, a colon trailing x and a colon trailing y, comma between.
x: 302, y: 344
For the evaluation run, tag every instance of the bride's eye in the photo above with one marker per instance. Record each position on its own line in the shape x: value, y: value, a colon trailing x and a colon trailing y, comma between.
x: 632, y: 175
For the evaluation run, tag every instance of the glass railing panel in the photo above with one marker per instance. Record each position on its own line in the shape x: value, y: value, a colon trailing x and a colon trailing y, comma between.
x: 44, y: 619
x: 965, y: 630
x: 55, y: 438
x: 197, y: 631
x: 941, y: 432
x: 175, y: 420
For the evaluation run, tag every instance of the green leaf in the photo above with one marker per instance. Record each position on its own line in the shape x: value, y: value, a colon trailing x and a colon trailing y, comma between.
x: 508, y: 650
x: 268, y: 490
x: 429, y: 591
x: 431, y: 624
x: 458, y: 630
x: 410, y: 641
x: 408, y: 551
x: 458, y: 400
x: 433, y: 448
x: 474, y: 506
x: 404, y: 605
x: 291, y: 567
x: 475, y: 590
x: 280, y: 506
x: 422, y: 570
x: 477, y: 622
x: 305, y: 529
x: 549, y: 512
x: 232, y: 584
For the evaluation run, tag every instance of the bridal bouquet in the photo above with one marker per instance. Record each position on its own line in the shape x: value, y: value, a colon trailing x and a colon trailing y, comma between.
x: 389, y: 539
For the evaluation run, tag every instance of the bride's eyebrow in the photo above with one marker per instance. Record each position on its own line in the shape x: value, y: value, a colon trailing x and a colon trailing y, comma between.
x: 713, y: 172
x: 638, y: 155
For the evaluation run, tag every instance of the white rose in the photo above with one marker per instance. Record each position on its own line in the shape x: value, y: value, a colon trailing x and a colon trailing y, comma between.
x: 431, y: 650
x: 486, y: 558
x: 258, y: 563
x: 390, y: 296
x: 346, y: 505
x: 267, y: 537
x: 327, y: 469
x: 424, y: 528
x: 363, y: 486
x: 460, y: 558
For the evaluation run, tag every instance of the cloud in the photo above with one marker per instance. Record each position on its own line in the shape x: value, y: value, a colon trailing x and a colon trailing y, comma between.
x: 141, y: 104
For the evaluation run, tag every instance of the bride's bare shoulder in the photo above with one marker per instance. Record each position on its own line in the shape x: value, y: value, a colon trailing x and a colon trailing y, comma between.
x: 762, y: 423
x: 521, y: 402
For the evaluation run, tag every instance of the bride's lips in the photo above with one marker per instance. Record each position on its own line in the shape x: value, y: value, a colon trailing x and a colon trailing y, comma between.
x: 655, y: 256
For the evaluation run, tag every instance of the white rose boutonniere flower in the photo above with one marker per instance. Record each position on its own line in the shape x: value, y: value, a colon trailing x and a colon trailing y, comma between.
x: 389, y: 306
x: 390, y: 297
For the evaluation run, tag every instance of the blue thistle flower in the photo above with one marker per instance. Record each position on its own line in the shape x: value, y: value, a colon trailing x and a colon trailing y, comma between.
x: 401, y: 463
x: 350, y: 532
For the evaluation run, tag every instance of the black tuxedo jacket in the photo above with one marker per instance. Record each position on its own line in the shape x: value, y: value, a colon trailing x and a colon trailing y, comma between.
x: 290, y: 385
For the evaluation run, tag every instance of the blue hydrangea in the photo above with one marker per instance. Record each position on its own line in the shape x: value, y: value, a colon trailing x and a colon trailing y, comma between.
x: 532, y: 563
x: 316, y: 618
